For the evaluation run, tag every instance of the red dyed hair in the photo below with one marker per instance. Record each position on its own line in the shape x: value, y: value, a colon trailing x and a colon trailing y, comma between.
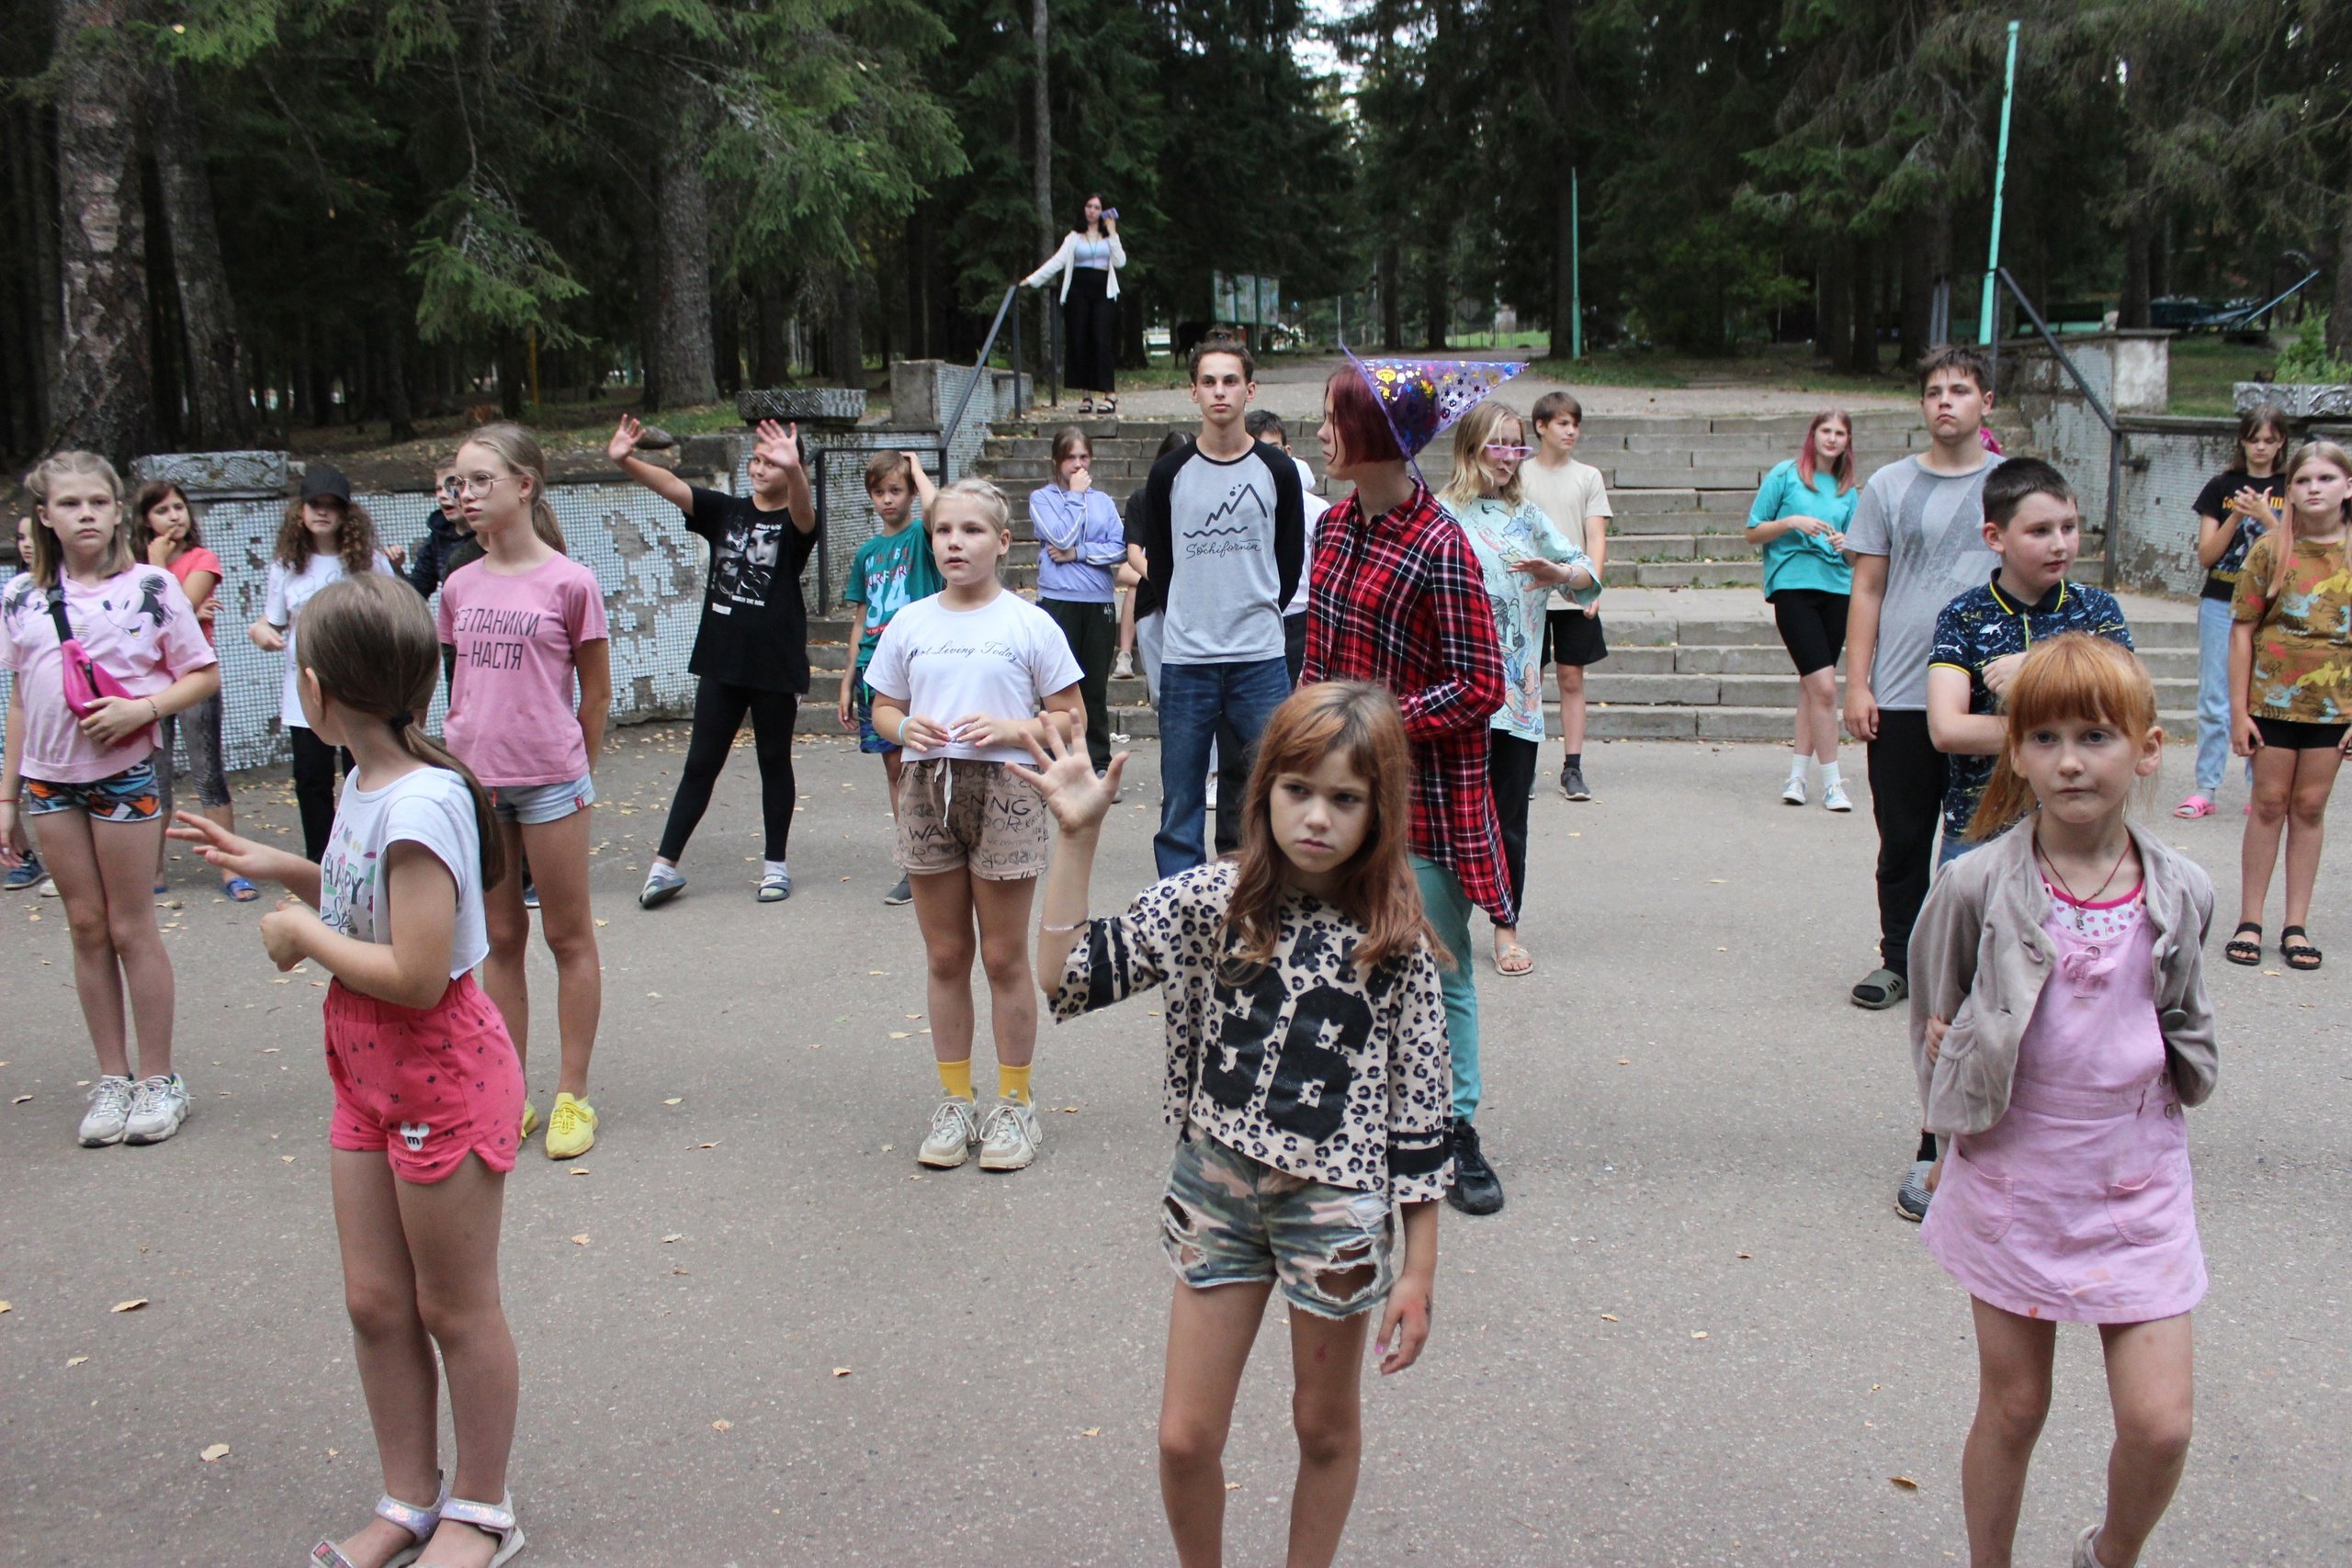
x: 1357, y: 421
x: 1842, y: 467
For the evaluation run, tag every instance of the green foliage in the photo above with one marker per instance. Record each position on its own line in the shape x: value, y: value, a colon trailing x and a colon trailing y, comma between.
x: 2307, y: 360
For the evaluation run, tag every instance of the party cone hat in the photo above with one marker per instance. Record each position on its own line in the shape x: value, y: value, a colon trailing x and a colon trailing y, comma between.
x: 1422, y: 398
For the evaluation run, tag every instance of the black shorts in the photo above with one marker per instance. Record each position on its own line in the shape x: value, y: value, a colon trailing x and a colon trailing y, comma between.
x: 1813, y: 626
x: 2295, y: 735
x: 1571, y: 637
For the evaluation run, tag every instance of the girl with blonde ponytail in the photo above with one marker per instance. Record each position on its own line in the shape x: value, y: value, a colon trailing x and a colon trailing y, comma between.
x: 428, y: 1089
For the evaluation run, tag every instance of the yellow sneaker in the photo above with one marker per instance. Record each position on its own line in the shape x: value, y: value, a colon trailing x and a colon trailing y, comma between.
x: 530, y: 1121
x: 572, y: 1128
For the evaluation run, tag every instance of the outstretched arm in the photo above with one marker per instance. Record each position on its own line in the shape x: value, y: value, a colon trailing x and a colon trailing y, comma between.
x: 781, y: 446
x: 622, y: 449
x: 1078, y: 802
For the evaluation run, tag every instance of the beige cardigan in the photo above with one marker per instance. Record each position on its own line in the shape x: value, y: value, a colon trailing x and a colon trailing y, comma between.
x: 1979, y: 957
x: 1062, y: 261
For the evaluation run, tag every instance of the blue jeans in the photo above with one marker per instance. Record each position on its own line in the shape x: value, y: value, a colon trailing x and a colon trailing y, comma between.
x: 1193, y: 697
x: 1448, y: 909
x: 2212, y: 695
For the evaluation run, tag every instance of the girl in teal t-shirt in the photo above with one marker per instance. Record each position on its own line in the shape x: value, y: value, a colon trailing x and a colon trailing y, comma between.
x: 1800, y: 518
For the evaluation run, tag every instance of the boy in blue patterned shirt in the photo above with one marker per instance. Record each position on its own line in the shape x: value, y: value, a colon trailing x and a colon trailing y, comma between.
x: 2032, y: 524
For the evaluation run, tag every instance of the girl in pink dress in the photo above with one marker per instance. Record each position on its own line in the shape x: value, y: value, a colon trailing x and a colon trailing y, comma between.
x: 2059, y: 1024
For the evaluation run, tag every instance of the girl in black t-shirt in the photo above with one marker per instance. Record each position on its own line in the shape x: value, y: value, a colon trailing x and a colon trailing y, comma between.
x: 2235, y: 508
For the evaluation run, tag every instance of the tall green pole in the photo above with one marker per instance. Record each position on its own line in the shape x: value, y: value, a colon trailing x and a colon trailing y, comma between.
x: 1576, y: 272
x: 1984, y: 307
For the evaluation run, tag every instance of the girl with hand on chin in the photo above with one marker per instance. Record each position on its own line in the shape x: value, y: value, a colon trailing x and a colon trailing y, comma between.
x: 960, y: 680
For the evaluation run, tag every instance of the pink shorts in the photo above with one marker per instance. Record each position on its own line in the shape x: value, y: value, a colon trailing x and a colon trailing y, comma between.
x: 428, y: 1085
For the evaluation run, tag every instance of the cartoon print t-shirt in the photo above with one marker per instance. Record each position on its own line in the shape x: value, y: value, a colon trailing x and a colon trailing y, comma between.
x: 1306, y: 1063
x: 755, y: 627
x: 137, y: 625
x: 1224, y: 602
x: 430, y: 807
x: 1500, y: 536
x: 890, y: 572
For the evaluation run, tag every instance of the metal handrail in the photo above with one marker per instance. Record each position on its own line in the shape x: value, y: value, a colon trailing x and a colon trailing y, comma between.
x: 988, y: 346
x: 2105, y: 417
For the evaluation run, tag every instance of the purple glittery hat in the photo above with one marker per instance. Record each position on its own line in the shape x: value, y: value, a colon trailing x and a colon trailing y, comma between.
x: 1422, y: 398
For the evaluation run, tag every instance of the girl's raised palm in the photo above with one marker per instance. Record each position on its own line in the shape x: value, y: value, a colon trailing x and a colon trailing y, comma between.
x: 624, y: 439
x: 1066, y: 778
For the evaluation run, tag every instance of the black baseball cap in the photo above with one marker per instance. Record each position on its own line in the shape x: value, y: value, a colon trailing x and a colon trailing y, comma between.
x: 323, y: 480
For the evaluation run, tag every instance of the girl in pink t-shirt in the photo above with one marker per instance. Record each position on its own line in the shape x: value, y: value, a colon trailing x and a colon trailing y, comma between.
x: 526, y: 623
x: 90, y: 781
x: 163, y: 533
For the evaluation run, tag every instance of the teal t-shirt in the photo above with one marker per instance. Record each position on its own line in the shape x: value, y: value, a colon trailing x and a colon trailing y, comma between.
x: 890, y: 572
x: 1797, y: 559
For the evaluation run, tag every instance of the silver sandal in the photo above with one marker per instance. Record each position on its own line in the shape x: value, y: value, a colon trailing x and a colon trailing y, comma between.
x: 490, y: 1518
x: 419, y: 1523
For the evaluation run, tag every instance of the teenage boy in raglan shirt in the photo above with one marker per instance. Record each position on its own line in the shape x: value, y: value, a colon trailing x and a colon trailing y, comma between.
x: 1225, y: 537
x: 1918, y: 542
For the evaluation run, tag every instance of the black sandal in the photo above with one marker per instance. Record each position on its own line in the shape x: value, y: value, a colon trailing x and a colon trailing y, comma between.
x: 2239, y: 949
x: 2299, y: 954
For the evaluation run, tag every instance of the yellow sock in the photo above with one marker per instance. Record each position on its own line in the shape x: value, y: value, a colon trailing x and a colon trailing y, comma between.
x: 1012, y: 1081
x: 956, y: 1078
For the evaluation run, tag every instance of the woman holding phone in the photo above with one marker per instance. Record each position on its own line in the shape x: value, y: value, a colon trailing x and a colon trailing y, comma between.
x: 1088, y: 264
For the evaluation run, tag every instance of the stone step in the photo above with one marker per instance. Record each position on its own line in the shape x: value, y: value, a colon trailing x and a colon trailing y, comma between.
x: 1778, y: 691
x: 1634, y: 721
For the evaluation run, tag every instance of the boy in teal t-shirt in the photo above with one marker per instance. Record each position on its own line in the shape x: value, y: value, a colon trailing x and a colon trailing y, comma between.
x: 890, y: 571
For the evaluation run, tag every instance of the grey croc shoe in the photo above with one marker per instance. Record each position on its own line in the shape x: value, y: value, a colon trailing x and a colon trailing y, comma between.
x: 420, y: 1523
x: 497, y: 1520
x: 1880, y: 989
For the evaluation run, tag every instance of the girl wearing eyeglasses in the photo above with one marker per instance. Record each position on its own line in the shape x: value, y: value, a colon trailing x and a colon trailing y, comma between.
x: 1523, y: 558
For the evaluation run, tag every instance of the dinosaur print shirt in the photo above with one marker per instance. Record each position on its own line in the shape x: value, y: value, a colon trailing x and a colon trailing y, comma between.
x: 1307, y: 1064
x: 137, y: 625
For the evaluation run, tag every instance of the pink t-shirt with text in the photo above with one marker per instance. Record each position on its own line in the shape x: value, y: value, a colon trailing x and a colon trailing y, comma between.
x: 514, y: 709
x: 137, y: 623
x: 186, y: 564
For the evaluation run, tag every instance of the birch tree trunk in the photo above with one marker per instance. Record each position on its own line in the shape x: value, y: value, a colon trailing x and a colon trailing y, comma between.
x: 103, y: 399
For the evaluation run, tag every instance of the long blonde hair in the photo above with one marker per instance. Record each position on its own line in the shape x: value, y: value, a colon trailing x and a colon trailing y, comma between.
x: 49, y: 551
x: 520, y: 451
x: 1468, y: 482
x: 2309, y: 452
x: 2073, y: 675
x: 369, y: 642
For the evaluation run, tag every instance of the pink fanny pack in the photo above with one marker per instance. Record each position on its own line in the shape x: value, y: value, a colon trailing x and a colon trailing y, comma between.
x: 85, y: 679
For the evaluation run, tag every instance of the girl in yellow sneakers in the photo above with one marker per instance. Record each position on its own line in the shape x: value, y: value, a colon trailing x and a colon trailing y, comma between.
x: 528, y: 625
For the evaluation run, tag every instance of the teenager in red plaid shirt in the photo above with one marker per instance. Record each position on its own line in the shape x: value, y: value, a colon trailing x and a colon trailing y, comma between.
x: 1395, y: 597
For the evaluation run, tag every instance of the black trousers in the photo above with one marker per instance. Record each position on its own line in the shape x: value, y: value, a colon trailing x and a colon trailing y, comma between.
x: 1233, y: 758
x: 1090, y: 331
x: 719, y: 707
x: 1092, y: 633
x: 1294, y: 644
x: 315, y: 786
x: 1511, y: 774
x: 1908, y: 778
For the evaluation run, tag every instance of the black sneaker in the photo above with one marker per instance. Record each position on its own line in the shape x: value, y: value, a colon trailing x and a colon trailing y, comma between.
x: 1572, y: 783
x: 1477, y: 1189
x: 901, y: 893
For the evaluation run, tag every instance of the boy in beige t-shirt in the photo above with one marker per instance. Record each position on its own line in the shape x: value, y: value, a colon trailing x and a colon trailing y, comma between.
x: 1574, y: 497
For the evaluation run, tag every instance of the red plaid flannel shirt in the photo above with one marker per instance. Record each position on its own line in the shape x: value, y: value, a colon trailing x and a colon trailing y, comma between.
x: 1400, y: 602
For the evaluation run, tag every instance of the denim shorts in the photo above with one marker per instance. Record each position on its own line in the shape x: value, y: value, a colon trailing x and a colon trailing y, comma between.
x: 532, y: 805
x: 130, y: 796
x: 1229, y: 1220
x: 869, y: 740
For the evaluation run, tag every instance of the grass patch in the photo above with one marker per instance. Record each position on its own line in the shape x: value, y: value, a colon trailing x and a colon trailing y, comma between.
x: 2206, y: 367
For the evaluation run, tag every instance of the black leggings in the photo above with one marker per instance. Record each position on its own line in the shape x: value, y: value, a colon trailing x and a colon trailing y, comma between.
x: 719, y: 706
x: 1510, y: 769
x: 314, y: 763
x: 1907, y: 779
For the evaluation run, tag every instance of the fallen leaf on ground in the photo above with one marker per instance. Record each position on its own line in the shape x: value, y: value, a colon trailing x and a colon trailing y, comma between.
x: 841, y: 1371
x: 721, y: 1426
x: 133, y: 1304
x: 1698, y: 1334
x: 673, y: 1102
x: 72, y: 1361
x: 673, y: 1236
x: 898, y: 1034
x: 604, y: 922
x: 286, y: 1160
x: 1624, y: 1061
x: 1608, y: 1317
x: 1233, y: 1486
x: 579, y: 1240
x: 20, y: 1099
x: 579, y: 1170
x: 218, y: 1450
x: 1904, y: 1481
x: 712, y: 1144
x: 1091, y: 1432
x: 1747, y: 1255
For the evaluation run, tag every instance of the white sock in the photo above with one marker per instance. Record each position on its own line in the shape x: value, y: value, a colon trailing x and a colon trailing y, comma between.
x: 771, y: 868
x: 1829, y: 776
x: 1797, y: 766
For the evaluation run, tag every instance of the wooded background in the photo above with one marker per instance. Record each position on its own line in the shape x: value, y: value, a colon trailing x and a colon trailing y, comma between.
x: 224, y: 217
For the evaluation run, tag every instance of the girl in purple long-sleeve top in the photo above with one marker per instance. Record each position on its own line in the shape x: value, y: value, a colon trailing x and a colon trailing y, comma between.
x: 1080, y: 542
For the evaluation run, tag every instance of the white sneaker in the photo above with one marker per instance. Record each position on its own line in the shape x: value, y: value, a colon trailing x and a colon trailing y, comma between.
x: 109, y: 1109
x: 1008, y: 1140
x: 1834, y: 799
x: 1794, y: 790
x: 954, y: 1128
x: 158, y: 1106
x: 1123, y: 667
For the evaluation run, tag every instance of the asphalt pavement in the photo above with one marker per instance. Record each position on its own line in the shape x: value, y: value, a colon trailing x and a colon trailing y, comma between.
x: 753, y: 1332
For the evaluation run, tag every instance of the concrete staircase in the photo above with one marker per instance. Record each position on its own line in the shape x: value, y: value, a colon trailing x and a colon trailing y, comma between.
x: 1688, y: 660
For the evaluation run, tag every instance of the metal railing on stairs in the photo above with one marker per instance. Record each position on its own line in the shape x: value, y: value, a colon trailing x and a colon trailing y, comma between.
x: 1011, y: 302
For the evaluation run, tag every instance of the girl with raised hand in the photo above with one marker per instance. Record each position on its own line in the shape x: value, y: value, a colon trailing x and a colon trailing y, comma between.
x: 2236, y: 507
x: 104, y: 649
x: 2290, y: 694
x: 325, y: 537
x: 528, y: 705
x: 427, y: 1086
x: 960, y: 680
x: 1523, y: 557
x: 164, y: 534
x: 2058, y: 1023
x: 1308, y: 1076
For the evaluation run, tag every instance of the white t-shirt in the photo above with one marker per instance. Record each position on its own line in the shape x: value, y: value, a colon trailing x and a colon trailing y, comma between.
x: 944, y: 664
x: 1315, y: 507
x: 430, y: 807
x: 1568, y: 494
x: 288, y: 592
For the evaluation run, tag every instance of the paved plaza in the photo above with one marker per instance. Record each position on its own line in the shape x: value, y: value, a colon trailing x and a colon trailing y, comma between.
x: 752, y: 1333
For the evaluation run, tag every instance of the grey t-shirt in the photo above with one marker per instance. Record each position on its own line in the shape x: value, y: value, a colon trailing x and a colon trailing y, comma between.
x: 1224, y: 592
x: 1930, y: 527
